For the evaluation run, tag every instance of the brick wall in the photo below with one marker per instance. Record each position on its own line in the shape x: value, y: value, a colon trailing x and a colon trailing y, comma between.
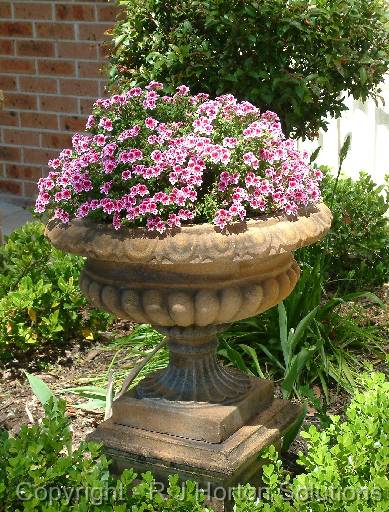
x: 51, y: 53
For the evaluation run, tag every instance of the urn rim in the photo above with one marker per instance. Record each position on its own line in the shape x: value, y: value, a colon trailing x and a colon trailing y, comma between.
x: 256, y: 238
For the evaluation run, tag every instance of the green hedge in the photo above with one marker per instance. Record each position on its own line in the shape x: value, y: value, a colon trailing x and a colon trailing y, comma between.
x: 351, y: 458
x: 297, y: 58
x: 40, y: 301
x: 356, y: 251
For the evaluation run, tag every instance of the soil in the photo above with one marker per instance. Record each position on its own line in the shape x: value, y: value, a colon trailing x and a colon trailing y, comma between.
x: 74, y: 366
x: 80, y: 363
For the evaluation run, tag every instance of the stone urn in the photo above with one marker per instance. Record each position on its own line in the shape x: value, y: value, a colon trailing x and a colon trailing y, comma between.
x: 196, y: 417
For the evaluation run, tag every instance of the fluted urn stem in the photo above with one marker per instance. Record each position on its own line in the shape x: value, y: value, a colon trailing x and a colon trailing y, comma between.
x: 194, y: 373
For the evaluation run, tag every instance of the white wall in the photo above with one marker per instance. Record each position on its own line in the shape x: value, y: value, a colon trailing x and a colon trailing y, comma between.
x: 369, y: 128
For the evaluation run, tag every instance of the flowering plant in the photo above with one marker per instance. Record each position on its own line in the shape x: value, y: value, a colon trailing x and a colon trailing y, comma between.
x: 156, y: 160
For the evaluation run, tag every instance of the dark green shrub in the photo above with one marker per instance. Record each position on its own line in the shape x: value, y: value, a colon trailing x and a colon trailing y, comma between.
x: 345, y: 468
x: 297, y: 57
x: 40, y: 300
x: 356, y: 251
x: 39, y: 472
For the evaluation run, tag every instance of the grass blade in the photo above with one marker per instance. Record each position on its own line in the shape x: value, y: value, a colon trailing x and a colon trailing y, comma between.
x: 283, y: 324
x: 250, y: 351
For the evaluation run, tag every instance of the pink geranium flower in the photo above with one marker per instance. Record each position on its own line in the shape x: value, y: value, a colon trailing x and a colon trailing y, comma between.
x: 194, y: 159
x: 106, y: 124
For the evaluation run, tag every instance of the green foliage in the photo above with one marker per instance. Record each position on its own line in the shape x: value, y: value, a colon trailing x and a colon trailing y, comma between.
x: 356, y: 251
x: 40, y: 300
x: 295, y: 361
x: 309, y: 339
x: 297, y: 58
x: 345, y: 468
x: 139, y: 345
x: 305, y: 340
x: 39, y: 472
x: 40, y: 389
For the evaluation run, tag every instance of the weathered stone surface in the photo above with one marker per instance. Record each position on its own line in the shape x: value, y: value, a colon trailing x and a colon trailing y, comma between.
x: 212, y: 423
x: 197, y: 244
x: 169, y: 298
x: 195, y: 276
x: 221, y: 464
x: 194, y: 373
x: 195, y: 417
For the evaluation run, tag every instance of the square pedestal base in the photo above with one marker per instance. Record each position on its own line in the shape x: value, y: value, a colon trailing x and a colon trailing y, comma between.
x: 212, y: 465
x: 212, y: 423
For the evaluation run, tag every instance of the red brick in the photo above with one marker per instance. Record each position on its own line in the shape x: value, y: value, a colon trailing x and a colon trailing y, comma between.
x: 5, y: 10
x: 73, y: 87
x: 7, y: 47
x: 11, y: 187
x: 106, y: 13
x: 23, y: 172
x: 56, y: 67
x: 55, y: 30
x: 59, y: 104
x: 35, y: 48
x: 56, y: 140
x: 33, y: 11
x: 38, y: 85
x: 94, y: 31
x: 7, y: 83
x: 74, y: 12
x: 30, y: 189
x: 10, y: 153
x: 104, y: 50
x: 89, y: 70
x: 20, y: 101
x: 38, y: 120
x: 86, y: 105
x: 15, y: 29
x: 72, y: 123
x: 20, y: 137
x: 38, y: 155
x: 8, y: 118
x: 86, y: 51
x: 103, y: 88
x: 17, y: 66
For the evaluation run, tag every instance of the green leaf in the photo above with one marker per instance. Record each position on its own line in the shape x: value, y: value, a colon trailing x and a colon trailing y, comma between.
x: 297, y: 364
x: 344, y: 150
x: 294, y: 429
x: 315, y: 154
x: 368, y: 295
x: 40, y: 389
x: 301, y: 327
x: 250, y: 11
x: 283, y: 324
x: 271, y: 356
x: 92, y: 405
x: 363, y: 75
x: 92, y: 392
x: 235, y: 358
x: 250, y: 351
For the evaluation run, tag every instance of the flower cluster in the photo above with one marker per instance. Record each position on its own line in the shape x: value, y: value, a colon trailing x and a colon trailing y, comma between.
x: 158, y: 160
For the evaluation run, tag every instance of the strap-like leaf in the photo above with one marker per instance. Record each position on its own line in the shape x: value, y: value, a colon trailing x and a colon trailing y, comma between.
x: 283, y: 324
x: 40, y: 389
